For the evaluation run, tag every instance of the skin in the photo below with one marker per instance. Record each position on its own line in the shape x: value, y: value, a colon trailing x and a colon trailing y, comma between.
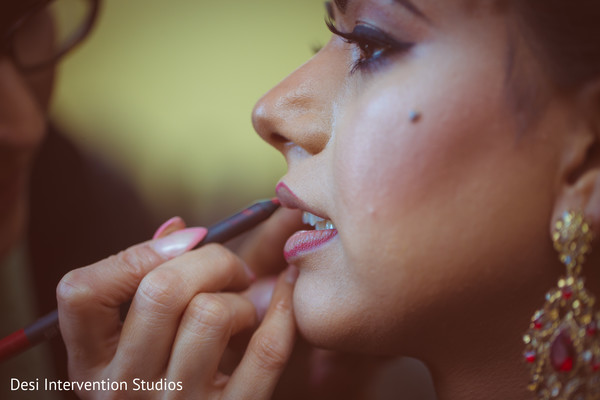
x: 99, y: 345
x: 25, y: 98
x: 186, y: 307
x: 171, y: 309
x: 443, y: 251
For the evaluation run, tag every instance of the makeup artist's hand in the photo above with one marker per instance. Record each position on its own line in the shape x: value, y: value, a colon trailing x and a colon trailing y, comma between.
x: 185, y: 308
x: 263, y: 248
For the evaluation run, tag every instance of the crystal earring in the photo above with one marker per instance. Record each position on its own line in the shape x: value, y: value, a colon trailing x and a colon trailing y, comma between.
x: 562, y: 343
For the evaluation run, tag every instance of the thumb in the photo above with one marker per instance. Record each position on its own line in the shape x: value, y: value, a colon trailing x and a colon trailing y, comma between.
x: 263, y: 250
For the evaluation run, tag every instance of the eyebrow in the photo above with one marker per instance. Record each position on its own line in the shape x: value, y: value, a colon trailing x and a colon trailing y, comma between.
x: 342, y: 5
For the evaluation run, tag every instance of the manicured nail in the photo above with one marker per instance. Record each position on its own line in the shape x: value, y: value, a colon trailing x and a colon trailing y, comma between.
x: 249, y: 272
x: 179, y: 242
x: 163, y: 230
x: 291, y: 274
x: 260, y: 294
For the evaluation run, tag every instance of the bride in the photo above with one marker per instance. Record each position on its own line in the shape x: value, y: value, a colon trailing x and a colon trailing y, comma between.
x: 447, y: 155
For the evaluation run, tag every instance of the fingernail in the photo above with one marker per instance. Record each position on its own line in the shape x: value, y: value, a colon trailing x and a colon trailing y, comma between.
x: 249, y: 272
x: 175, y: 221
x: 260, y: 294
x: 291, y: 274
x: 179, y: 242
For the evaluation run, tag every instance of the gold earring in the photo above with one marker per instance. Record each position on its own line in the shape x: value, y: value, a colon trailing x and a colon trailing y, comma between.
x: 562, y: 343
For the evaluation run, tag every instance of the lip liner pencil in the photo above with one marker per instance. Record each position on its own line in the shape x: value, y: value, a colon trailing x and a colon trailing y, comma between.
x: 47, y: 327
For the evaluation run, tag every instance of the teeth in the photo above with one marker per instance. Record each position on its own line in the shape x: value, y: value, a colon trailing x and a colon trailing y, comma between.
x: 320, y: 225
x: 318, y: 222
x: 311, y: 219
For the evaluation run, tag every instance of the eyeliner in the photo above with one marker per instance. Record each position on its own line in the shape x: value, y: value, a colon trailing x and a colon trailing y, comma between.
x: 46, y: 327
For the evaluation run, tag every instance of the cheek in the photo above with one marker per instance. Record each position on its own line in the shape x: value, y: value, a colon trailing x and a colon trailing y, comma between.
x: 22, y: 127
x: 389, y: 167
x: 421, y: 206
x: 23, y: 116
x: 35, y: 43
x: 35, y: 40
x: 464, y: 118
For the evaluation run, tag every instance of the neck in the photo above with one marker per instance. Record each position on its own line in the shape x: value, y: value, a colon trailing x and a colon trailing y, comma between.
x: 486, y: 361
x: 496, y: 374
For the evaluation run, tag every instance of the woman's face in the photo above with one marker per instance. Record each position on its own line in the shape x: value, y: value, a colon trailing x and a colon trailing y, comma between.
x: 410, y: 142
x: 24, y: 99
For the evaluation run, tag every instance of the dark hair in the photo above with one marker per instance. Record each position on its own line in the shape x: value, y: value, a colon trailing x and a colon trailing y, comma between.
x: 565, y: 37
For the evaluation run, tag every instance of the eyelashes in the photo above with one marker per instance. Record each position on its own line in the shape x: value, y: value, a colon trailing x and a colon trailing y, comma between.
x: 375, y: 46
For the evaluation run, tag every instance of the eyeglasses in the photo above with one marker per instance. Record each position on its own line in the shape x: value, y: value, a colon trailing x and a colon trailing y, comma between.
x: 48, y: 31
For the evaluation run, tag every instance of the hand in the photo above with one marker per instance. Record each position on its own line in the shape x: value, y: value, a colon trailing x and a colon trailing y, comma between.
x: 263, y: 249
x: 185, y: 309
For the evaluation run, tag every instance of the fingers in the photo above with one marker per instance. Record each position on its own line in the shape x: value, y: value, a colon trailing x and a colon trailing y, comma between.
x: 263, y: 250
x: 270, y: 346
x: 260, y: 293
x: 206, y: 327
x: 180, y: 320
x: 161, y: 299
x: 89, y: 298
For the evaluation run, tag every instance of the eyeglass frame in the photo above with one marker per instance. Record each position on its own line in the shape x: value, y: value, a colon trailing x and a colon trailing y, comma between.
x: 7, y: 48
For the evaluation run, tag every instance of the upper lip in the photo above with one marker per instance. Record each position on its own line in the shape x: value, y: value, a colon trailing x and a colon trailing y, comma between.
x: 289, y: 199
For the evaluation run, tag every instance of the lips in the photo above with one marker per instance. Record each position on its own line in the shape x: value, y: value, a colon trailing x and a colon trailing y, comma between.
x: 304, y: 242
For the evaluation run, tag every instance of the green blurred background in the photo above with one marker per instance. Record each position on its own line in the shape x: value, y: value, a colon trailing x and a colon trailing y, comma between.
x: 163, y: 91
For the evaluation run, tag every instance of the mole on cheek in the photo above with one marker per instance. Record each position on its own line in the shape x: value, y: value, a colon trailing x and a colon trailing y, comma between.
x: 414, y: 116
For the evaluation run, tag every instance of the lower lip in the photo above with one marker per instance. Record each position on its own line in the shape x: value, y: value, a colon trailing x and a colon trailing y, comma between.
x: 303, y: 242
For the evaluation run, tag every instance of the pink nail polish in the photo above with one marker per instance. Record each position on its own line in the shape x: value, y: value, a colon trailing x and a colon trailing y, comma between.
x: 260, y: 294
x: 177, y: 243
x: 249, y: 272
x: 291, y: 274
x: 166, y: 225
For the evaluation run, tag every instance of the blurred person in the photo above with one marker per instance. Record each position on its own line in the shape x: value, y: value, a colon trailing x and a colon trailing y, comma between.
x: 59, y: 207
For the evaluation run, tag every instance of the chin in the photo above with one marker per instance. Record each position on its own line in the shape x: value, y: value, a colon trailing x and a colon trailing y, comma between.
x: 323, y: 332
x: 327, y: 319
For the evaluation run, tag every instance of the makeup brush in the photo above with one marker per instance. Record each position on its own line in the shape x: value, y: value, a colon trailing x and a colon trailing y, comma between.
x: 47, y: 327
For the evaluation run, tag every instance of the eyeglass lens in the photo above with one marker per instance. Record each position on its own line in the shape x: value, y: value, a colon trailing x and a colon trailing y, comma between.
x: 50, y: 31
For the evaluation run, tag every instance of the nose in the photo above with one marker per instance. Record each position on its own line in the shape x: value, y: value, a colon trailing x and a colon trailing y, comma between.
x: 299, y: 110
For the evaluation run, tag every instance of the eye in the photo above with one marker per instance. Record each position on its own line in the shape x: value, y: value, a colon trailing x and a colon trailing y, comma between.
x: 374, y: 45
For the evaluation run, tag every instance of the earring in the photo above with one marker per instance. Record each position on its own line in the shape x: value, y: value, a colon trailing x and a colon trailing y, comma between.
x: 562, y: 343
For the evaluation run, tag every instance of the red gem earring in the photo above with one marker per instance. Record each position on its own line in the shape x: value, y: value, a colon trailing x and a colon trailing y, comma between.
x: 562, y: 343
